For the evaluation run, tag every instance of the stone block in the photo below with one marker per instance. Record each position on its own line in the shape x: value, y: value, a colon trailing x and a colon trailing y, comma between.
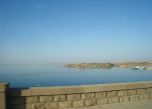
x: 132, y: 92
x: 123, y: 93
x: 25, y: 92
x: 103, y: 101
x: 100, y: 95
x: 124, y: 99
x: 149, y: 90
x: 134, y: 98
x: 3, y: 89
x: 38, y: 106
x: 112, y: 94
x: 78, y: 104
x: 44, y: 99
x: 28, y: 106
x: 150, y: 96
x: 114, y: 100
x: 144, y: 96
x: 31, y: 99
x: 74, y: 97
x: 63, y: 105
x: 2, y: 101
x: 90, y: 102
x: 87, y: 96
x: 59, y: 98
x: 51, y: 105
x: 141, y: 91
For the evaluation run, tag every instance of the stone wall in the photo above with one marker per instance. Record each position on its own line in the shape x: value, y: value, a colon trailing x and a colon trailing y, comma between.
x: 3, y: 87
x: 77, y: 96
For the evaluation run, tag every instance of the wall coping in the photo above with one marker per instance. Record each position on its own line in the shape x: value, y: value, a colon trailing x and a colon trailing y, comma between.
x: 34, y: 91
x: 3, y: 87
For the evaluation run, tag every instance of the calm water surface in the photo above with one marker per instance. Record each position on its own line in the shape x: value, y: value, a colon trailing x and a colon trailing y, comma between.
x: 57, y: 75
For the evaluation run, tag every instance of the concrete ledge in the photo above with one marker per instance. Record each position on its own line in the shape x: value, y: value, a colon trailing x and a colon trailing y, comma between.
x: 33, y: 91
x: 88, y: 88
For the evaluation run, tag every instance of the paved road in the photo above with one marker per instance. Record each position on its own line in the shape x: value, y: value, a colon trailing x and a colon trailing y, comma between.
x: 143, y: 104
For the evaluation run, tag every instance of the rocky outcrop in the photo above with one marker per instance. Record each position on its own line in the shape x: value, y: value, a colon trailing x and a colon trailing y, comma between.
x: 147, y: 65
x: 90, y: 65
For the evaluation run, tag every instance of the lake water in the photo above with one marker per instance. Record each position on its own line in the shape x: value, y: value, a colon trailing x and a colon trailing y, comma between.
x: 57, y: 75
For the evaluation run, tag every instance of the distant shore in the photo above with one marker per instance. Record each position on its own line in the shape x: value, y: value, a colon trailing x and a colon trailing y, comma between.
x: 131, y: 65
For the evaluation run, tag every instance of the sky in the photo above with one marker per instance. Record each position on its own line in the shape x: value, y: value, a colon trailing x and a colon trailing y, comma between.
x: 71, y: 31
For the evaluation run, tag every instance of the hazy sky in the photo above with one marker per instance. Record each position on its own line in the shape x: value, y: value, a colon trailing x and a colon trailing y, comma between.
x: 48, y: 31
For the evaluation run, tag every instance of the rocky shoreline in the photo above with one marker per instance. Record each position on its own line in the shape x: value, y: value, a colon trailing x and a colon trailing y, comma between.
x: 131, y: 65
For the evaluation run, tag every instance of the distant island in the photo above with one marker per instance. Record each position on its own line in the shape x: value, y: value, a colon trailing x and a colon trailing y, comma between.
x: 131, y: 65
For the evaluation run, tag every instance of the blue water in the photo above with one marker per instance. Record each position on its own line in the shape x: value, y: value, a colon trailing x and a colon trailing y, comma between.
x: 57, y: 75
